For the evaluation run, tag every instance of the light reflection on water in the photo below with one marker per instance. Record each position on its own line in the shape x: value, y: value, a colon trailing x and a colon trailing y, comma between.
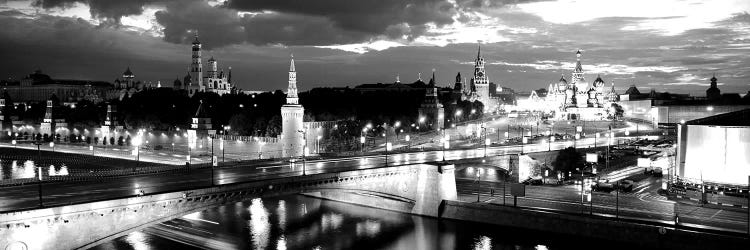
x: 15, y: 169
x: 301, y: 222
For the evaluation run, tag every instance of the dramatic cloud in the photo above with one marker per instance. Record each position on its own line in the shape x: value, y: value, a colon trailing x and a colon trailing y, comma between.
x: 672, y: 45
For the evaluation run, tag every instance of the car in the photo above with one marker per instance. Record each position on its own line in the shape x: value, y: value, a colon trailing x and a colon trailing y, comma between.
x: 533, y: 181
x: 626, y: 185
x: 604, y: 186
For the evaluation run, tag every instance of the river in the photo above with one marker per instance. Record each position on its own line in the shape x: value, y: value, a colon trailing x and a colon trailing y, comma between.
x: 301, y: 222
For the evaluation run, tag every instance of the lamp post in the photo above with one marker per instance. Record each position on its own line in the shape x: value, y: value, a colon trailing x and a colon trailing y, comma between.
x: 13, y: 142
x: 304, y: 151
x: 486, y: 140
x: 524, y: 140
x: 317, y: 144
x: 91, y: 148
x: 362, y: 139
x: 41, y: 202
x: 446, y: 144
x: 137, y: 144
x: 549, y: 143
x: 408, y: 141
x: 52, y: 145
x: 221, y: 146
x: 575, y: 140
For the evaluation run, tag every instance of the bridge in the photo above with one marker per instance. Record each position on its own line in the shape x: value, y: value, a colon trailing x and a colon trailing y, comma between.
x: 416, y: 189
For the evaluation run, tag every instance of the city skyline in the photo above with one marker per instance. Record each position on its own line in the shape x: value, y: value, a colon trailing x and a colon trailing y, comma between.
x: 673, y: 46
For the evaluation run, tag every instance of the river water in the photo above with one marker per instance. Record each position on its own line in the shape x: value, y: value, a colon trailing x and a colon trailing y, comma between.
x: 301, y: 222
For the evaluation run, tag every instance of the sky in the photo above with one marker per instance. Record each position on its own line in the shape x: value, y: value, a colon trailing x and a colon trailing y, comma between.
x: 667, y: 45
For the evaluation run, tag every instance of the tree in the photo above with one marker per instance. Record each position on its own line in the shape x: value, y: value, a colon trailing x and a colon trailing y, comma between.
x: 120, y: 141
x: 88, y: 139
x: 615, y: 111
x: 104, y: 141
x: 127, y: 140
x: 111, y: 141
x: 567, y: 160
x: 96, y: 140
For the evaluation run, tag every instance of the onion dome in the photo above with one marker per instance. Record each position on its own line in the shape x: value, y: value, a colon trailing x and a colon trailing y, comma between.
x: 562, y: 84
x: 598, y: 82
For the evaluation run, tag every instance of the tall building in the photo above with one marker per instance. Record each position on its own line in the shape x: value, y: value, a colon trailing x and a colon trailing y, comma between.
x: 292, y: 113
x: 713, y: 93
x: 215, y: 80
x: 196, y: 67
x: 481, y: 81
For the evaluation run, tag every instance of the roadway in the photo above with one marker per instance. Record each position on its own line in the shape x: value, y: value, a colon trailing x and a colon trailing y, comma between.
x: 58, y: 193
x: 641, y: 203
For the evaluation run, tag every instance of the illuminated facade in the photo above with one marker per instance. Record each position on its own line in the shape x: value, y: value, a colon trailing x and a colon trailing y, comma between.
x: 714, y: 149
x: 292, y: 113
x: 214, y: 80
x: 478, y: 88
x: 576, y: 99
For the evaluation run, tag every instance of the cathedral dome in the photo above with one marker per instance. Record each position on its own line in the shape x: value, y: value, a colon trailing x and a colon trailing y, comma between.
x: 598, y: 82
x: 562, y: 84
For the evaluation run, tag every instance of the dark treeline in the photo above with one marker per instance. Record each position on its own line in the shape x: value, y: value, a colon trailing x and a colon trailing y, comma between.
x: 246, y: 114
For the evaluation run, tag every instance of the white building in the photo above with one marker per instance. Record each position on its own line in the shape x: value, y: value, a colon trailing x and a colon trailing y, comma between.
x: 576, y: 99
x: 292, y: 113
x: 214, y: 80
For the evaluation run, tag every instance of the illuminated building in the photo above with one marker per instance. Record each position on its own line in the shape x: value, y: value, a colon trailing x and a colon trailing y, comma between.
x: 292, y: 113
x: 576, y: 99
x: 714, y: 149
x: 214, y: 80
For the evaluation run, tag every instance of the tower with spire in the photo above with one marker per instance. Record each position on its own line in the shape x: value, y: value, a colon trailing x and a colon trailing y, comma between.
x: 480, y: 81
x: 292, y: 114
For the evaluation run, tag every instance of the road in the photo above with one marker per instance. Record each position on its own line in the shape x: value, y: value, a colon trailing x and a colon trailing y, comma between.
x: 641, y: 203
x: 25, y: 197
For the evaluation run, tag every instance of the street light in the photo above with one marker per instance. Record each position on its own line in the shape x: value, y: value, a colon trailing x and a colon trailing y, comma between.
x: 575, y: 141
x: 221, y: 146
x: 446, y: 143
x: 549, y: 143
x: 317, y: 143
x: 137, y: 143
x: 13, y: 142
x: 52, y: 145
x: 304, y: 150
x: 408, y: 139
x: 524, y: 140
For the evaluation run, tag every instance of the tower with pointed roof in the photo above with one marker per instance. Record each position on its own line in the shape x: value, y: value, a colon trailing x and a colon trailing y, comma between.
x: 196, y: 67
x: 292, y: 114
x: 481, y: 82
x: 713, y: 93
x: 48, y: 123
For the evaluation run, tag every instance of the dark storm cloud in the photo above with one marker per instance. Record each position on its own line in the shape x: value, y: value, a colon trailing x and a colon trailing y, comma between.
x: 216, y: 26
x: 102, y: 9
x: 368, y: 16
x: 73, y: 48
